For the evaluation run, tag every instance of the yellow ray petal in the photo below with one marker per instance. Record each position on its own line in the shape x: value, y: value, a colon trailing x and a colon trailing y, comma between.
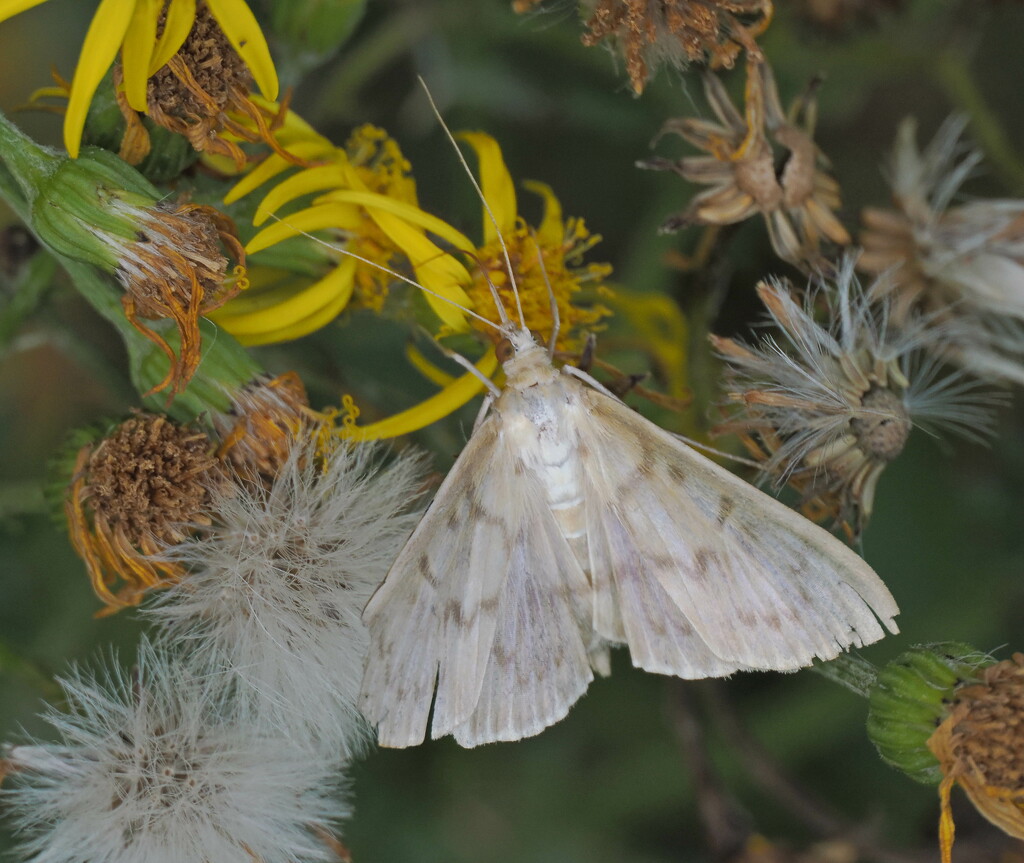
x: 426, y: 368
x: 304, y: 221
x: 496, y: 183
x: 551, y: 232
x: 136, y: 50
x: 274, y: 165
x: 436, y: 270
x: 407, y: 212
x: 450, y: 399
x: 10, y: 8
x: 244, y: 34
x: 181, y: 15
x: 302, y: 183
x: 283, y: 314
x: 106, y: 32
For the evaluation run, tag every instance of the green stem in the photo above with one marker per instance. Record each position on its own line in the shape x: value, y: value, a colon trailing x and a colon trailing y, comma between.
x: 953, y: 73
x: 28, y: 163
x: 850, y: 671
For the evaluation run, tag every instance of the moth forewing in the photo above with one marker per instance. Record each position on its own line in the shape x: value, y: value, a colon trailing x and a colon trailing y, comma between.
x: 759, y: 585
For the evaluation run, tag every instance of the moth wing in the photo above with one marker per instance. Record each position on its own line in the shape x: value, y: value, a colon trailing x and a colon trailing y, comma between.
x: 760, y: 586
x: 454, y: 596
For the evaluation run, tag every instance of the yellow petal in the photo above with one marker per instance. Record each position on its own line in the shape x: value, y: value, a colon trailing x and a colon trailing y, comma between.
x: 282, y: 314
x: 551, y: 233
x: 106, y: 32
x: 407, y: 212
x: 181, y: 15
x: 294, y: 128
x: 436, y: 270
x: 274, y: 165
x: 10, y: 8
x: 305, y: 221
x: 136, y: 50
x: 426, y: 368
x: 244, y: 34
x: 448, y: 400
x: 496, y: 183
x: 302, y: 183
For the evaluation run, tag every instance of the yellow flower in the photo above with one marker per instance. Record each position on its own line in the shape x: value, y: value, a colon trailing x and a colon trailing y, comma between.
x: 277, y: 309
x: 132, y: 26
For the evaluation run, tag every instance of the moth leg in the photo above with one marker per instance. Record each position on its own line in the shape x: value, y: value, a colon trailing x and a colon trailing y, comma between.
x: 484, y: 408
x: 590, y: 381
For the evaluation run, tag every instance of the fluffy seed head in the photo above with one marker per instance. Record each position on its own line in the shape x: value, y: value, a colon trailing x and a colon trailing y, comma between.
x: 829, y: 401
x: 151, y: 766
x: 278, y: 584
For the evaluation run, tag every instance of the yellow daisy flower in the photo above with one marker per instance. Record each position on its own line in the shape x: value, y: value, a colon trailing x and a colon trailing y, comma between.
x: 377, y: 214
x: 149, y: 33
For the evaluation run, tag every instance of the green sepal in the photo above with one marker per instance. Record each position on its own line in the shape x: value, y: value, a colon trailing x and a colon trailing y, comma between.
x: 910, y: 698
x: 71, y: 210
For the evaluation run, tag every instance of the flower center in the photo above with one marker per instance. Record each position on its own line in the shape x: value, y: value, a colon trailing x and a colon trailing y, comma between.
x: 882, y: 430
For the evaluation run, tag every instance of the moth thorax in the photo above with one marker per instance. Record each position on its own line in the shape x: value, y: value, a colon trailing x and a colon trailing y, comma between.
x: 882, y: 430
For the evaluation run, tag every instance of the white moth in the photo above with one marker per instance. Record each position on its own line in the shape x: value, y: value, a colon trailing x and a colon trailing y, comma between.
x: 570, y: 524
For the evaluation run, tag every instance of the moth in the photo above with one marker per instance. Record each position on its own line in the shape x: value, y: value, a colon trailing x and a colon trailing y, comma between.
x: 570, y: 524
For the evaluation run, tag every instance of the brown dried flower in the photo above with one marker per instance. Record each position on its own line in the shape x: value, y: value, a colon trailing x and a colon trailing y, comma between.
x: 202, y: 92
x: 131, y: 496
x: 980, y: 747
x: 648, y: 33
x: 264, y: 421
x: 174, y: 268
x: 763, y: 161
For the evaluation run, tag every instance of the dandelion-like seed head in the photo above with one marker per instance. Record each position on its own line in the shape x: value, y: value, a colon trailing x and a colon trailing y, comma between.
x: 961, y: 263
x: 153, y: 766
x: 980, y: 747
x: 830, y: 401
x: 797, y: 201
x: 132, y: 494
x: 277, y: 585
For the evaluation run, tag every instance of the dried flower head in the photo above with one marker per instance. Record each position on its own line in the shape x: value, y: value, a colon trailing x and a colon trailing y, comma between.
x: 761, y: 161
x: 980, y: 747
x: 201, y: 92
x: 132, y: 495
x: 963, y: 263
x: 277, y: 585
x: 174, y: 268
x: 652, y: 33
x: 263, y: 422
x: 830, y: 403
x: 151, y: 766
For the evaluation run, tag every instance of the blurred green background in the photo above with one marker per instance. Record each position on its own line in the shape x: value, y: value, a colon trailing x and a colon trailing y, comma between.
x: 615, y: 781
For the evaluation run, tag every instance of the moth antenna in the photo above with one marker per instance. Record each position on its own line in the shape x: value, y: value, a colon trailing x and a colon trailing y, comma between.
x: 343, y: 251
x: 492, y: 387
x: 710, y: 450
x: 490, y: 215
x: 556, y: 320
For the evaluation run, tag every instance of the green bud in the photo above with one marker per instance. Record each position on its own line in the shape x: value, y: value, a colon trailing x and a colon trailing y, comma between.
x: 910, y: 698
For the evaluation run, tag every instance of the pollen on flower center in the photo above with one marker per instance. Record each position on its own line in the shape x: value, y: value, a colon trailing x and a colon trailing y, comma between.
x: 215, y: 73
x: 882, y: 430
